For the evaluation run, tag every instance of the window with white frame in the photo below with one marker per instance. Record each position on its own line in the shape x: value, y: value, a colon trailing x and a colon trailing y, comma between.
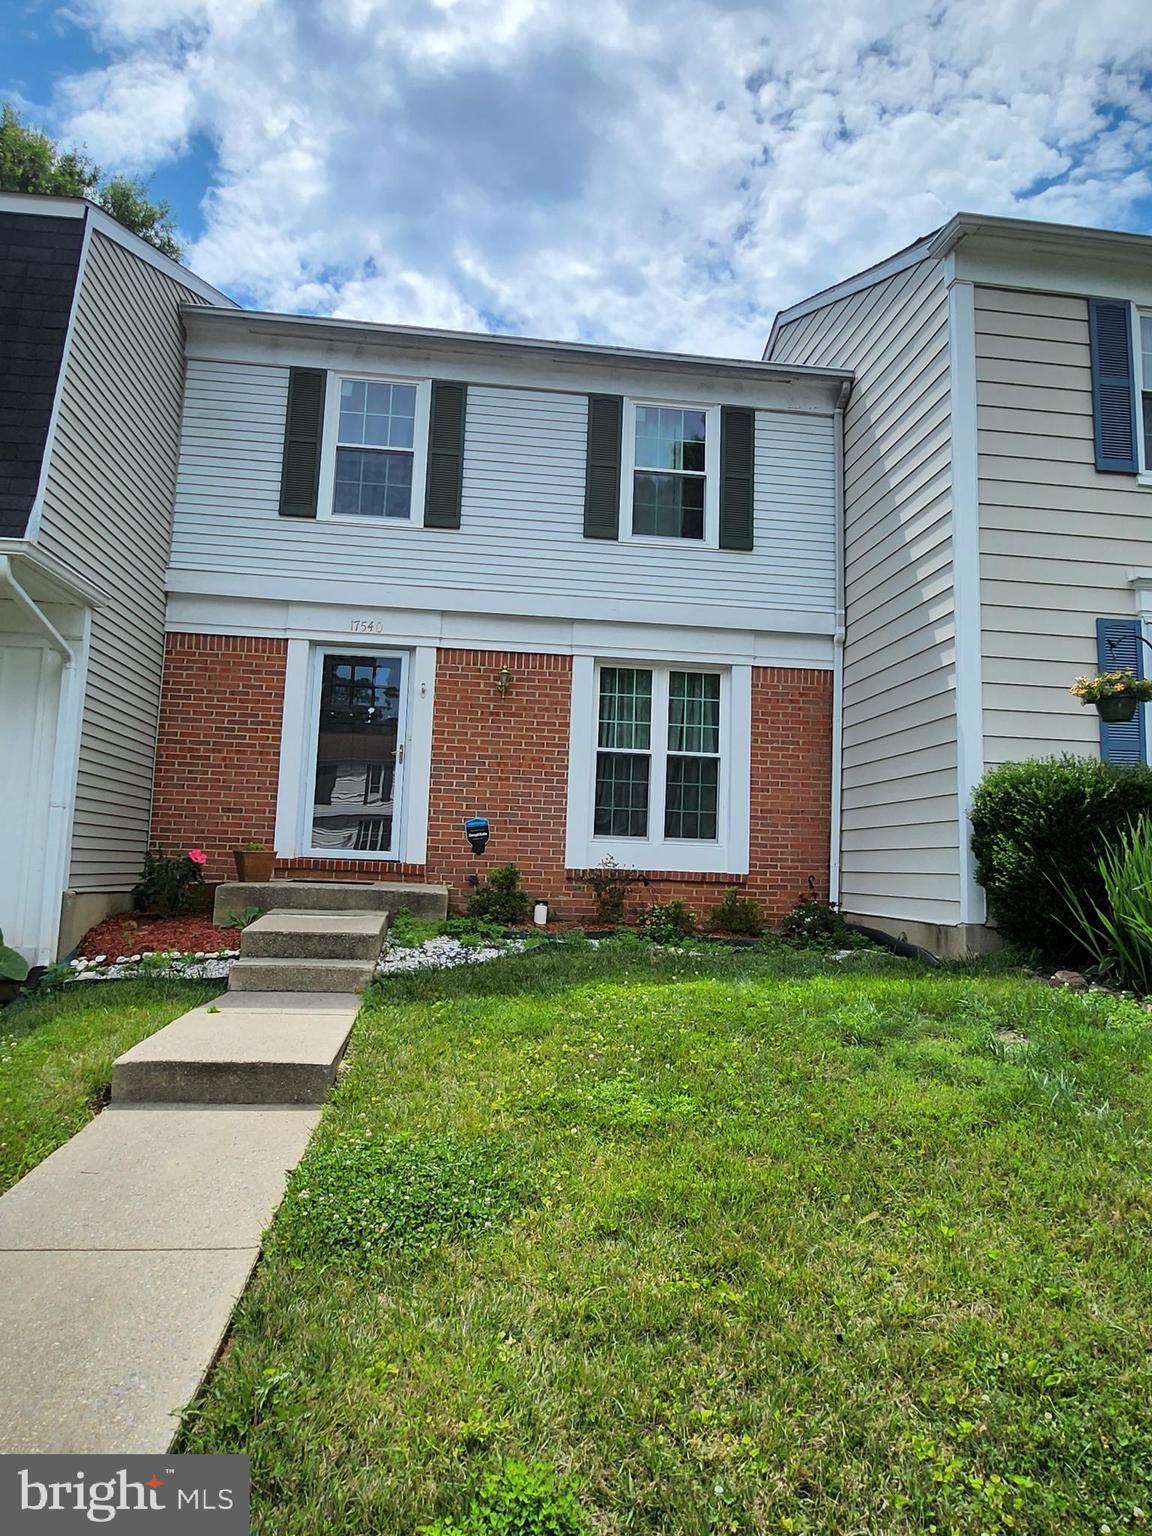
x: 672, y: 485
x: 1145, y: 385
x: 375, y: 448
x: 658, y: 754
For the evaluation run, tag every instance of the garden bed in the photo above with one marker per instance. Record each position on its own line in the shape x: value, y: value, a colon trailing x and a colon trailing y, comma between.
x: 137, y: 933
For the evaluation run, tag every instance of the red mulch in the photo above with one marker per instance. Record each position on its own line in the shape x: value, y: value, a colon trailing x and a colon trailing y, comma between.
x: 132, y: 933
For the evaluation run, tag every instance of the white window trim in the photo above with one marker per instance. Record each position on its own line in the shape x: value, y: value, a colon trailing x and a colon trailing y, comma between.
x: 728, y: 854
x: 299, y: 727
x: 328, y: 447
x: 711, y: 539
x: 1143, y: 453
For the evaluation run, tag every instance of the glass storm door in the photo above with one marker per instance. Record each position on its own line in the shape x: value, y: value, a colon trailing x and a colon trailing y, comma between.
x: 359, y: 754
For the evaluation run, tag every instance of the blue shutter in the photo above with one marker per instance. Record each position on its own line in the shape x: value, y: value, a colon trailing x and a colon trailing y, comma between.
x: 1113, y: 385
x: 1119, y: 647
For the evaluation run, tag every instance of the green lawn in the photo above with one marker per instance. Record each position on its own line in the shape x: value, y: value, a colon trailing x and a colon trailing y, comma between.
x: 742, y: 1243
x: 56, y: 1055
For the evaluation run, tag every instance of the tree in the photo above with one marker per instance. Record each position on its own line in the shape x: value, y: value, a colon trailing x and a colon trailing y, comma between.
x: 30, y: 161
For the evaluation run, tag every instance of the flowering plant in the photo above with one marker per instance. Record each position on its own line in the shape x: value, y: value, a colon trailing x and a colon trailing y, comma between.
x: 165, y: 886
x: 1111, y: 685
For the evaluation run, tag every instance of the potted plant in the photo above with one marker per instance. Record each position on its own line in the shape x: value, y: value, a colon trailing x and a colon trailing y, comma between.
x: 1116, y: 695
x: 13, y: 972
x: 254, y: 861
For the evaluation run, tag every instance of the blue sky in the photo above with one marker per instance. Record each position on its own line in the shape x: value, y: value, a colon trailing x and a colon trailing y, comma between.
x: 621, y: 171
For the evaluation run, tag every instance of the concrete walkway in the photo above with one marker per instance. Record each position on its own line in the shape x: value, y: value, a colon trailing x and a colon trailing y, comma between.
x: 123, y: 1254
x: 121, y: 1258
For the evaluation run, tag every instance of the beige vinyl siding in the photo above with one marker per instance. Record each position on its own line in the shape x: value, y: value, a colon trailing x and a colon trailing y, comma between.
x: 900, y: 822
x: 522, y: 509
x: 1057, y: 538
x: 107, y: 516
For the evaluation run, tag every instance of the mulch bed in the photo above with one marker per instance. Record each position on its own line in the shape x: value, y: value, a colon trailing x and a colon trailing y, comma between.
x: 134, y: 933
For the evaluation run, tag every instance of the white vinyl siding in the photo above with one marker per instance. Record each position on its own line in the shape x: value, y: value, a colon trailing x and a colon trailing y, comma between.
x: 522, y: 511
x: 900, y: 852
x: 1057, y: 538
x: 107, y: 516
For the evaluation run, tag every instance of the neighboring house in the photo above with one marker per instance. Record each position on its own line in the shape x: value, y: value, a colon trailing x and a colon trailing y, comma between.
x: 91, y: 384
x: 997, y: 458
x: 587, y: 593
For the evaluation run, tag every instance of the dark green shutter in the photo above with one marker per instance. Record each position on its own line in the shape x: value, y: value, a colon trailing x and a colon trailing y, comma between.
x: 737, y: 476
x: 1113, y: 385
x: 303, y: 430
x: 445, y: 455
x: 1119, y: 648
x: 602, y: 471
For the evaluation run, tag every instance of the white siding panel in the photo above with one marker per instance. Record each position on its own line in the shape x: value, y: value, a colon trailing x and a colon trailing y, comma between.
x: 901, y: 828
x: 1056, y: 537
x: 522, y: 508
x: 107, y: 515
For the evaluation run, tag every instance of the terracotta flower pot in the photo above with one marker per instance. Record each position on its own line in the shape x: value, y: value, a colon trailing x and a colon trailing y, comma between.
x: 254, y: 864
x: 1117, y: 708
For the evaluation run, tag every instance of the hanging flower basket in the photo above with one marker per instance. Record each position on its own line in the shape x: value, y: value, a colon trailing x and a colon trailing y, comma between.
x: 1116, y: 695
x: 1117, y: 709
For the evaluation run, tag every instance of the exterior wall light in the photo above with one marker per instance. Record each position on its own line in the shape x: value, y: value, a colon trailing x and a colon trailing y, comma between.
x: 503, y: 681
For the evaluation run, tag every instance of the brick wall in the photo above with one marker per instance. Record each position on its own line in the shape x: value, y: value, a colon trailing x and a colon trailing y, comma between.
x: 218, y: 753
x: 505, y: 757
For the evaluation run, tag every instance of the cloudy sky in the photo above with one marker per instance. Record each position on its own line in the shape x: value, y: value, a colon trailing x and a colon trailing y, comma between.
x: 660, y: 173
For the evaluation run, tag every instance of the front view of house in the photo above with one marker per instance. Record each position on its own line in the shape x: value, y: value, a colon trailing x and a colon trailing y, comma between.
x: 587, y: 594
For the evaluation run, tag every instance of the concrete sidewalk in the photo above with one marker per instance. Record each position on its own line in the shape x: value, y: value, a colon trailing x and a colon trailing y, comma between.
x: 121, y: 1258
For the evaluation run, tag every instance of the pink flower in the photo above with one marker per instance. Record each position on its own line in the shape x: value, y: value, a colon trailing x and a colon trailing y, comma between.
x: 197, y: 855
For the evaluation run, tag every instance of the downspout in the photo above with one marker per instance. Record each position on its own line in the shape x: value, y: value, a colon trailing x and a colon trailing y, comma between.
x: 838, y: 655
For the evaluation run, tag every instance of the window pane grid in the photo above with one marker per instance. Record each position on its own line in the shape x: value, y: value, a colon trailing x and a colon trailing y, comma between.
x: 691, y: 798
x: 375, y: 415
x: 669, y: 472
x: 621, y: 809
x: 375, y: 437
x: 625, y: 709
x: 372, y: 483
x: 694, y: 712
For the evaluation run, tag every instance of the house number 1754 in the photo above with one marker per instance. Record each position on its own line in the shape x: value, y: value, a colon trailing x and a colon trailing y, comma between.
x: 366, y: 626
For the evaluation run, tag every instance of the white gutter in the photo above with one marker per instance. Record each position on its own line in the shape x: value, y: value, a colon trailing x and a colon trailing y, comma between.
x: 838, y: 656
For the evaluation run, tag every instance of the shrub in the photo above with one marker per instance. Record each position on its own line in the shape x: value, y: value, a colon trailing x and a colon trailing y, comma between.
x: 611, y: 884
x: 518, y: 1499
x: 501, y: 900
x: 1118, y: 933
x: 736, y: 914
x: 472, y: 930
x: 667, y: 922
x: 817, y: 924
x: 166, y: 884
x: 1039, y: 829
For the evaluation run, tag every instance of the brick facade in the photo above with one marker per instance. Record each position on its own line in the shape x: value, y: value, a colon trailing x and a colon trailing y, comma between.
x: 503, y: 756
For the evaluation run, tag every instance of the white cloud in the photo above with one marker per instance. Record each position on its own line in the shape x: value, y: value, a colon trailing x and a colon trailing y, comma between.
x: 614, y: 170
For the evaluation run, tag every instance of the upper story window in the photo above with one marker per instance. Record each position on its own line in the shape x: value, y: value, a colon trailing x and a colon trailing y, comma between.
x: 375, y: 448
x: 670, y: 479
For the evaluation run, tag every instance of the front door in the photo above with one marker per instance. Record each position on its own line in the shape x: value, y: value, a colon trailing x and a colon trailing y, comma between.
x: 357, y: 755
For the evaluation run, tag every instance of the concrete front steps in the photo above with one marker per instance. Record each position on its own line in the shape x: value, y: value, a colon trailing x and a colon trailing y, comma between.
x: 428, y: 903
x: 303, y: 951
x: 257, y: 1048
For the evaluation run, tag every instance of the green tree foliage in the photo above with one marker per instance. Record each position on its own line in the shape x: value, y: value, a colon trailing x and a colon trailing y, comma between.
x: 31, y: 161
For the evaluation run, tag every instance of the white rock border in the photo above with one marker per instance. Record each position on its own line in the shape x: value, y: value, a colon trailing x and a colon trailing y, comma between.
x: 442, y: 954
x: 202, y: 965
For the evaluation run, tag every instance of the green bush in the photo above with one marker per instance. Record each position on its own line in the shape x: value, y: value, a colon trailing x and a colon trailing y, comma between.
x: 734, y: 913
x: 501, y: 900
x: 1039, y: 830
x: 166, y: 884
x: 817, y: 924
x: 473, y: 930
x: 667, y: 922
x: 1118, y: 933
x: 518, y: 1499
x: 611, y: 884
